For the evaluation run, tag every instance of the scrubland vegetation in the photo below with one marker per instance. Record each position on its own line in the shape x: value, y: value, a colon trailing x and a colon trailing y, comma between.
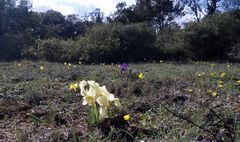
x: 147, y: 29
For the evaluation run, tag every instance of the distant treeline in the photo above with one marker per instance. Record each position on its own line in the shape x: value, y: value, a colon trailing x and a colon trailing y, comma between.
x: 144, y: 31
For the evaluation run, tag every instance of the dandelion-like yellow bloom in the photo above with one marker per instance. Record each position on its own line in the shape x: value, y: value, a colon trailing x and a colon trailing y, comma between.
x: 220, y: 82
x: 209, y: 91
x: 73, y: 87
x: 41, y: 68
x: 190, y: 90
x: 220, y: 85
x: 126, y: 117
x: 238, y: 81
x: 141, y: 76
x: 222, y: 74
x: 214, y: 94
x: 213, y: 74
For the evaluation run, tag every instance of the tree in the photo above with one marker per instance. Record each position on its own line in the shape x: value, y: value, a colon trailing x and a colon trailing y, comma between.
x: 211, y: 6
x: 201, y: 8
x: 51, y: 24
x: 124, y: 15
x: 97, y: 16
x: 145, y: 9
x: 5, y: 7
x: 213, y: 37
x: 73, y: 27
x: 195, y: 8
x: 229, y: 5
x: 14, y: 27
x: 158, y: 12
x: 25, y: 5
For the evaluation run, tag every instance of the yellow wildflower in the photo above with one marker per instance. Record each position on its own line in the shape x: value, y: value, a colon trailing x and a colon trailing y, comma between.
x: 141, y: 76
x: 222, y: 74
x: 73, y: 87
x: 214, y: 94
x: 97, y: 94
x: 90, y: 98
x: 190, y: 90
x: 65, y: 63
x: 220, y: 82
x: 213, y: 74
x: 238, y: 81
x: 209, y: 91
x: 105, y: 98
x: 41, y: 68
x: 220, y: 85
x: 126, y: 117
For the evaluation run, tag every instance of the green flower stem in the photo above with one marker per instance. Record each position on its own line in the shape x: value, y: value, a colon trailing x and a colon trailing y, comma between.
x: 95, y: 113
x: 109, y: 111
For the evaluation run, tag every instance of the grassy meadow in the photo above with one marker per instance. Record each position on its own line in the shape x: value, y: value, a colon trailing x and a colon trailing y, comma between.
x: 172, y: 102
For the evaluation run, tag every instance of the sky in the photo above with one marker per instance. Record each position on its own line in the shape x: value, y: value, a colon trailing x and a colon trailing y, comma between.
x: 79, y: 7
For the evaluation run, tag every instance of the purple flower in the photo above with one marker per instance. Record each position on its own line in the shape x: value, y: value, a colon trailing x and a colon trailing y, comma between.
x: 124, y: 67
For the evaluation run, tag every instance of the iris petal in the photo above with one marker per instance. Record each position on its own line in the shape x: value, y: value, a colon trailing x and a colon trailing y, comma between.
x: 103, y: 112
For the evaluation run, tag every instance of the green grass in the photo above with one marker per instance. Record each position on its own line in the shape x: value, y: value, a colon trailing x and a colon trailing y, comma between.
x: 36, y: 105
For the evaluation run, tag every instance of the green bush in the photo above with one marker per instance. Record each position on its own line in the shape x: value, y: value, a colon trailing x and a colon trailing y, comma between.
x: 234, y: 54
x: 213, y: 38
x: 51, y: 50
x: 170, y: 44
x: 10, y: 46
x: 137, y: 43
x: 119, y: 43
x: 103, y: 43
x: 216, y: 37
x: 100, y: 44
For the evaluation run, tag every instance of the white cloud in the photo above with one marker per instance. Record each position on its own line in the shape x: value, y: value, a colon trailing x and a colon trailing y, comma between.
x: 74, y: 6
